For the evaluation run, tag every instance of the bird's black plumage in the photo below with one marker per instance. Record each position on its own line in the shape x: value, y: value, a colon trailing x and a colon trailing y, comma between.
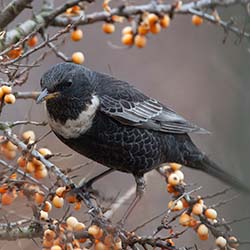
x: 113, y: 123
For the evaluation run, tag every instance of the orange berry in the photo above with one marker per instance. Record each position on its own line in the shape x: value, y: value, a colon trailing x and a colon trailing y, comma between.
x: 140, y: 41
x: 155, y: 29
x: 76, y: 244
x: 173, y: 179
x: 193, y: 222
x: 100, y: 246
x: 79, y: 226
x: 32, y: 188
x: 68, y: 11
x: 49, y: 234
x: 6, y: 89
x: 202, y: 230
x: 175, y: 205
x: 127, y: 30
x: 109, y: 240
x: 76, y: 35
x: 60, y: 191
x: 7, y: 198
x: 47, y: 244
x: 75, y: 9
x: 171, y: 242
x: 71, y: 221
x: 197, y: 20
x: 1, y: 93
x: 197, y: 209
x: 41, y: 173
x: 9, y: 154
x: 118, y: 244
x: 165, y: 21
x: 39, y: 197
x: 184, y: 219
x: 28, y: 135
x: 71, y: 198
x: 152, y: 19
x: 78, y: 58
x: 143, y: 29
x: 77, y: 205
x: 108, y: 28
x: 10, y: 146
x: 199, y: 200
x: 21, y: 161
x: 203, y: 237
x: 211, y: 213
x: 14, y: 53
x: 175, y: 166
x: 44, y: 215
x: 9, y: 99
x: 56, y: 247
x: 37, y: 163
x: 185, y: 203
x: 32, y: 42
x: 44, y: 151
x: 3, y: 188
x: 221, y: 242
x: 47, y: 206
x: 58, y: 201
x: 128, y: 39
x: 95, y: 231
x: 180, y: 174
x: 30, y: 167
x: 170, y: 188
x: 233, y: 241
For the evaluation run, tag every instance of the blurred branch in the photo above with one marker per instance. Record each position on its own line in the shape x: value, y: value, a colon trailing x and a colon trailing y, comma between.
x: 27, y: 95
x: 14, y: 233
x: 12, y: 10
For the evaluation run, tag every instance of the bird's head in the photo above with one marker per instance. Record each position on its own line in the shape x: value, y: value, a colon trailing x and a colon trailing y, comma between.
x: 67, y: 89
x: 65, y: 81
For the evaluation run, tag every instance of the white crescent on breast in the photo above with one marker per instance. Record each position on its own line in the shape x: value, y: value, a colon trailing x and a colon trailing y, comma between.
x: 73, y: 128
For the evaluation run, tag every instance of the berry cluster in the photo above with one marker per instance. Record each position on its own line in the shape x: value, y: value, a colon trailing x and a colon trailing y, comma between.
x: 195, y: 214
x: 18, y: 51
x: 6, y: 95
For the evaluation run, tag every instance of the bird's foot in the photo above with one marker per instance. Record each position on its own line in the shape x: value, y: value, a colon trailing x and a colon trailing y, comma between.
x: 85, y: 190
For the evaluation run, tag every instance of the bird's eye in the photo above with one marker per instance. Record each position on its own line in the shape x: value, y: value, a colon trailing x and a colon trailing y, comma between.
x: 68, y: 83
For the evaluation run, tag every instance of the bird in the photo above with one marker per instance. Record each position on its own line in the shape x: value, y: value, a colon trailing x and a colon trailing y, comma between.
x: 115, y: 124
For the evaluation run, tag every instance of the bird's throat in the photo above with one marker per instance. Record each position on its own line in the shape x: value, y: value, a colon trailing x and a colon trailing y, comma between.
x: 78, y: 123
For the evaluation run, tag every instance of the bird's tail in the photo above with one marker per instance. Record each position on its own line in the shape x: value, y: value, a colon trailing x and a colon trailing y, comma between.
x: 206, y: 165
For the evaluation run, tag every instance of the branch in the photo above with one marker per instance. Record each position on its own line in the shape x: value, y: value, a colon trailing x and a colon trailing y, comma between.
x: 12, y: 10
x: 188, y: 8
x: 31, y: 26
x: 13, y: 138
x: 28, y: 232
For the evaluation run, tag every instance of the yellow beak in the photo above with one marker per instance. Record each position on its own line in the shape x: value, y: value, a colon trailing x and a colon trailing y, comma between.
x: 45, y: 95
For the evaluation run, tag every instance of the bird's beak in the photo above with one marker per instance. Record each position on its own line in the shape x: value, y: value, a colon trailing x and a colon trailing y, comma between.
x: 45, y: 95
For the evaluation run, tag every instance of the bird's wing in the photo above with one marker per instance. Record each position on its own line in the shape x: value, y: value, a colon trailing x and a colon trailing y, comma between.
x: 129, y: 106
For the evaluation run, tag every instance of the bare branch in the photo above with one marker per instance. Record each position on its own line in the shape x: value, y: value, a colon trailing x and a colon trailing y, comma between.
x: 12, y: 10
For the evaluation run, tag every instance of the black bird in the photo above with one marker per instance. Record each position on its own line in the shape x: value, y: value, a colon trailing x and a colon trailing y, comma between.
x: 113, y: 123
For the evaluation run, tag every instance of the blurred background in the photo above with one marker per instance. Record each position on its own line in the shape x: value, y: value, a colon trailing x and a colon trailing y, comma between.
x: 188, y: 69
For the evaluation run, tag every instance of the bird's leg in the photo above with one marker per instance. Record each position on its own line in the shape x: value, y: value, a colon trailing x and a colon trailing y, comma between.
x: 86, y: 187
x: 140, y: 188
x: 88, y: 184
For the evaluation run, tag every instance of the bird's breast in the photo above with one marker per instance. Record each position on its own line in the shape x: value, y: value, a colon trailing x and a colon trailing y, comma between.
x: 73, y: 128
